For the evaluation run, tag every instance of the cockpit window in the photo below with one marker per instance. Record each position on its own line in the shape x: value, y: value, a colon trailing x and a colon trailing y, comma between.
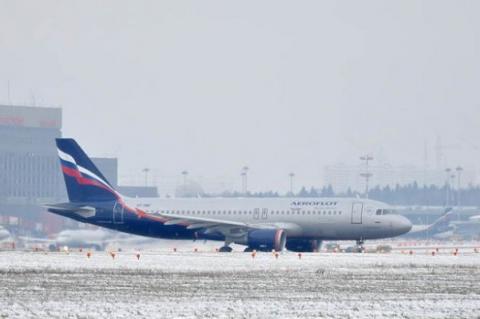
x: 389, y: 212
x: 386, y: 212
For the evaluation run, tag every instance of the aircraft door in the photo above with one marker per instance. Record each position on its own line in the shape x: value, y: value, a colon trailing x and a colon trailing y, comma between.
x: 357, y: 210
x: 118, y: 213
x: 264, y: 213
x: 256, y: 213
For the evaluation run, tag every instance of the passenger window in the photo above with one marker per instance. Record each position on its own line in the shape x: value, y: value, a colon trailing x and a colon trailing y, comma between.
x: 379, y: 212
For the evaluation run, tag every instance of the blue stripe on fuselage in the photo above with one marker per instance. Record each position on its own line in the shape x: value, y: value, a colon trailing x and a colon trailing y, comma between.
x: 135, y: 225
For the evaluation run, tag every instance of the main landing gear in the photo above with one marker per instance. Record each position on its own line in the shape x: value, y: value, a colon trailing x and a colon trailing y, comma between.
x: 225, y: 249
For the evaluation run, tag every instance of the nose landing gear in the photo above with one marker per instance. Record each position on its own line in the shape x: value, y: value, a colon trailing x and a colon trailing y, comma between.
x: 359, y: 247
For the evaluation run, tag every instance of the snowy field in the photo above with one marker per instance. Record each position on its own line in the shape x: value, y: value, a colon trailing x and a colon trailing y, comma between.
x: 164, y: 284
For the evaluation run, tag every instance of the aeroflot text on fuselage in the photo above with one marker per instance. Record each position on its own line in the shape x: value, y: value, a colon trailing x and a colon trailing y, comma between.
x: 312, y: 203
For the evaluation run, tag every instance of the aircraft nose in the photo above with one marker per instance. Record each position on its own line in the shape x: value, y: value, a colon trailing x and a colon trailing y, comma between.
x: 403, y: 225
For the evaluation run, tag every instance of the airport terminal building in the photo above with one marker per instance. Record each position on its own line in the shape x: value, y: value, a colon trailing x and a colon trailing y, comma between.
x: 29, y: 169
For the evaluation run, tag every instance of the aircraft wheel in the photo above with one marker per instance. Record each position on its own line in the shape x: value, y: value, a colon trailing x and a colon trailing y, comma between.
x: 248, y: 250
x: 225, y: 249
x: 360, y: 247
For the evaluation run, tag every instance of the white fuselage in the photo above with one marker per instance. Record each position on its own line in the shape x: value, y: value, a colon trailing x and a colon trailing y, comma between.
x: 325, y: 218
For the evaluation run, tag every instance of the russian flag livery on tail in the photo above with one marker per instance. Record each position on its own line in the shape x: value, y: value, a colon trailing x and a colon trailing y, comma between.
x: 83, y: 180
x: 258, y: 223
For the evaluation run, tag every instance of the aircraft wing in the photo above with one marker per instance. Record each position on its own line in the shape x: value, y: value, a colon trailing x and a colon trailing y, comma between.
x: 212, y: 225
x: 201, y: 222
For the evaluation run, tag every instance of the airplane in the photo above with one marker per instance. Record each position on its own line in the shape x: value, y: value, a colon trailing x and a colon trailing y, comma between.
x: 71, y: 238
x: 7, y: 241
x: 97, y: 239
x: 465, y: 229
x: 447, y: 226
x: 440, y: 225
x: 296, y: 224
x: 4, y: 235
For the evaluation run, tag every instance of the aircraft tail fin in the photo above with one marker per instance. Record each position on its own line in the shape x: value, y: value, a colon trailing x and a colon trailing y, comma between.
x: 83, y: 180
x: 442, y: 223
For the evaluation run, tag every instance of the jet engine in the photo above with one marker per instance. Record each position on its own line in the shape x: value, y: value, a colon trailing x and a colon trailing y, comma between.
x: 266, y: 239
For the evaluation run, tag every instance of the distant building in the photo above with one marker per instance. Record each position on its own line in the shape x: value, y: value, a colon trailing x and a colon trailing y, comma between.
x: 138, y: 191
x: 173, y: 185
x: 29, y: 168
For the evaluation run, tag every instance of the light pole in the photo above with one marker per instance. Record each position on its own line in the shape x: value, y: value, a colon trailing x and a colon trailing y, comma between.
x: 146, y: 170
x: 291, y: 175
x: 366, y: 158
x: 244, y: 179
x: 184, y: 173
x: 452, y: 189
x: 447, y: 187
x: 459, y: 170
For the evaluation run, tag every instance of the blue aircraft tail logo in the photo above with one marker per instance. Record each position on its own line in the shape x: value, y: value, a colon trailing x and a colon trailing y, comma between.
x: 85, y: 183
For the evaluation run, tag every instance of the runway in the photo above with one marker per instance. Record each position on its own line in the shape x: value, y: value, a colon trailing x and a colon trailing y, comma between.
x: 163, y: 284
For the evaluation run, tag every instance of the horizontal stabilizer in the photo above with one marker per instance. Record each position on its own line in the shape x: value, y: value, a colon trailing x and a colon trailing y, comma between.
x: 83, y: 211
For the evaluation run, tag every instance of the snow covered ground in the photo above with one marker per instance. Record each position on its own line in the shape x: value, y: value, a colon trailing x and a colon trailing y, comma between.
x: 164, y: 284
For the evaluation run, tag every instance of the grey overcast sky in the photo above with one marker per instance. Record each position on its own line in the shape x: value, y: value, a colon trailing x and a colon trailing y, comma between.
x: 280, y: 86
